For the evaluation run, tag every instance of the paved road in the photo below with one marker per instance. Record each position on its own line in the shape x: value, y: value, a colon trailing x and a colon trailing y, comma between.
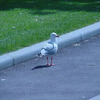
x: 76, y: 75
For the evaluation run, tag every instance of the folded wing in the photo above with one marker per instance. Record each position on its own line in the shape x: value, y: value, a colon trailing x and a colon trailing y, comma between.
x: 49, y: 49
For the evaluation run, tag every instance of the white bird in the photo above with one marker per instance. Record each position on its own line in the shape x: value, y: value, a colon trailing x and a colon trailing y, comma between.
x: 50, y: 48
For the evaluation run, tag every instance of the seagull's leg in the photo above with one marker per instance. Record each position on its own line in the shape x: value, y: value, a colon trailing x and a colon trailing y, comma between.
x: 47, y: 61
x: 51, y: 61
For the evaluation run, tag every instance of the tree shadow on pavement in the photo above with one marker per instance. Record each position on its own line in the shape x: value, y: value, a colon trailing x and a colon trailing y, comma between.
x: 41, y: 66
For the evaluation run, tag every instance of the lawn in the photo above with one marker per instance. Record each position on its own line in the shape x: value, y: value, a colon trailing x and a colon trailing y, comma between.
x: 25, y: 23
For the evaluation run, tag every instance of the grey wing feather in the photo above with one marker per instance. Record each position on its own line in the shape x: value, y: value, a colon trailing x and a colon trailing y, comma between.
x: 47, y: 49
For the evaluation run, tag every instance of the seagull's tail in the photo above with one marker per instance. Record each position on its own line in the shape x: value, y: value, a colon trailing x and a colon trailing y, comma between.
x: 39, y: 55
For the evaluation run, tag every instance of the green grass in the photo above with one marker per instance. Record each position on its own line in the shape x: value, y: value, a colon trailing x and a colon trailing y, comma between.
x: 26, y: 23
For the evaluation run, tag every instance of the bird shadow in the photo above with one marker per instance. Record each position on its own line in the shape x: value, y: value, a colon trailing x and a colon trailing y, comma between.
x: 41, y: 66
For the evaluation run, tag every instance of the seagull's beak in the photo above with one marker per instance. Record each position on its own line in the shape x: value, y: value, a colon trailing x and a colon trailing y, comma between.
x: 57, y: 36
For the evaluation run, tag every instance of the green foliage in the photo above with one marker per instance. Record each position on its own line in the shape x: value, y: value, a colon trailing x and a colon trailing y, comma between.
x: 26, y: 22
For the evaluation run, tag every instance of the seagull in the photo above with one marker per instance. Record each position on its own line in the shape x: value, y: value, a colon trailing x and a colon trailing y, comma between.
x: 50, y: 48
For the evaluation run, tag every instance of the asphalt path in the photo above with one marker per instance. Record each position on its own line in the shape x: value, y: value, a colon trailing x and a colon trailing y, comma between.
x: 76, y: 75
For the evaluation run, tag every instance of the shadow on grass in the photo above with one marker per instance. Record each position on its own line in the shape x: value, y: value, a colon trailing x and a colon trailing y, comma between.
x: 40, y: 12
x: 62, y: 5
x: 41, y: 66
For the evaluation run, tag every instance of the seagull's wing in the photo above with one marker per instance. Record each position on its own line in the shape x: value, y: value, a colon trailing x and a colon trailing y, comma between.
x: 47, y: 49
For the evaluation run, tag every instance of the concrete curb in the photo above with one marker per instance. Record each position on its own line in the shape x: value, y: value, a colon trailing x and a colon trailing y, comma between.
x: 6, y: 61
x: 13, y: 58
x: 95, y: 98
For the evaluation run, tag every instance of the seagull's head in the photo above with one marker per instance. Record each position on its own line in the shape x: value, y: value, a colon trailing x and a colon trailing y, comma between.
x: 53, y: 37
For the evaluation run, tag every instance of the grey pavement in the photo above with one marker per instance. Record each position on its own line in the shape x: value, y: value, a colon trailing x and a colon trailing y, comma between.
x: 76, y: 75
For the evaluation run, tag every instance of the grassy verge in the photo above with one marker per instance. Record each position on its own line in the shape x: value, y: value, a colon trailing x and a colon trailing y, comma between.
x: 26, y: 23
